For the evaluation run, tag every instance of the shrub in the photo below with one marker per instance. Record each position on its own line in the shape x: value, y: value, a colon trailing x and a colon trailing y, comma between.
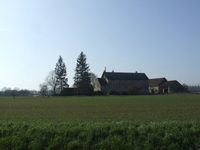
x: 113, y: 93
x: 98, y: 93
x: 84, y: 91
x: 133, y: 90
x: 123, y: 93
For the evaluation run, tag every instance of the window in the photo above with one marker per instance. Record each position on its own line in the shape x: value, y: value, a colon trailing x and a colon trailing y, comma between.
x: 113, y: 84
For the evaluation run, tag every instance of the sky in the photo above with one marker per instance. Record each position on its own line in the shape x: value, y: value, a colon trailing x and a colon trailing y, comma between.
x: 159, y: 38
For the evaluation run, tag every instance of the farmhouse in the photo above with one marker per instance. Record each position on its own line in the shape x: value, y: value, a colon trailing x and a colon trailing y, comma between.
x: 171, y: 87
x: 154, y: 85
x: 161, y: 85
x: 120, y: 81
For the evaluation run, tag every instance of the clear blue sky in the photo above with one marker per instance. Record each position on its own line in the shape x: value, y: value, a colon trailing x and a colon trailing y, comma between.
x: 160, y: 38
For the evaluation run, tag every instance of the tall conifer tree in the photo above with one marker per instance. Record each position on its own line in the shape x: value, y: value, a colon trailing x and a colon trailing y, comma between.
x: 61, y: 73
x: 82, y: 76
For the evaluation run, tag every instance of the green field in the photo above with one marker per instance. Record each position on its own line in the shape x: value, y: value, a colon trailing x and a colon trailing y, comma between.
x: 100, y: 109
x: 100, y: 122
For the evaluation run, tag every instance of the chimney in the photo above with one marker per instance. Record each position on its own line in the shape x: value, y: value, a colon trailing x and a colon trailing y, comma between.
x: 136, y: 72
x: 112, y: 71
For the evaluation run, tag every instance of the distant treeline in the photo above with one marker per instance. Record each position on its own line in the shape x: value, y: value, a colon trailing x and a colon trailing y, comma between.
x: 23, y: 92
x: 194, y: 88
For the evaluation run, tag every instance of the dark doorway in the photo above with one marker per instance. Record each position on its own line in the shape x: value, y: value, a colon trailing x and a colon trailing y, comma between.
x: 165, y: 90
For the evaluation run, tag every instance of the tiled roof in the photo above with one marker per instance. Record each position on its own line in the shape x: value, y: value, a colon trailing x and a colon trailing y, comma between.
x: 168, y: 83
x: 125, y: 76
x: 156, y: 81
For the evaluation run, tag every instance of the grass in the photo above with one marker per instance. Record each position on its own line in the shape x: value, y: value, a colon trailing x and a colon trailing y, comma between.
x: 100, y: 122
x: 100, y: 109
x: 107, y: 136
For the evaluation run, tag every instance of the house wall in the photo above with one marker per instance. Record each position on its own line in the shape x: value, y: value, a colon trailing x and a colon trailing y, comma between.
x: 97, y: 86
x: 145, y: 86
x: 176, y: 87
x: 104, y: 76
x: 155, y: 89
x: 173, y: 88
x: 104, y: 89
x: 122, y: 85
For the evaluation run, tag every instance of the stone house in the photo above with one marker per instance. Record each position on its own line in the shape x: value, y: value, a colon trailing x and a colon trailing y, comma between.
x: 120, y: 81
x: 161, y: 85
x: 171, y: 87
x: 154, y: 85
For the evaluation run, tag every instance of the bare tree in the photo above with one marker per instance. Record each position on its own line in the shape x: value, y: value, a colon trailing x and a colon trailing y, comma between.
x: 93, y: 78
x: 43, y: 89
x: 73, y: 86
x: 6, y: 91
x: 51, y: 81
x: 16, y: 89
x: 15, y: 92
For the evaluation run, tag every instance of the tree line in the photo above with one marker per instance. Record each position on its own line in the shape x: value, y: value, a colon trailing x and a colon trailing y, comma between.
x: 57, y: 79
x: 16, y: 92
x: 194, y: 88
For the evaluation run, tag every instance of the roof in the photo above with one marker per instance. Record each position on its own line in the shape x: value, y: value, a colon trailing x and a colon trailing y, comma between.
x: 125, y: 76
x: 156, y: 81
x: 102, y: 81
x: 168, y: 83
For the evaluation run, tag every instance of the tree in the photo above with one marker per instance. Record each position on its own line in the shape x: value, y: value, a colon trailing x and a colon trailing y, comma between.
x: 82, y: 76
x: 60, y: 74
x: 6, y: 91
x: 16, y: 89
x: 93, y: 78
x: 24, y: 92
x: 51, y: 81
x: 43, y: 89
x: 13, y: 93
